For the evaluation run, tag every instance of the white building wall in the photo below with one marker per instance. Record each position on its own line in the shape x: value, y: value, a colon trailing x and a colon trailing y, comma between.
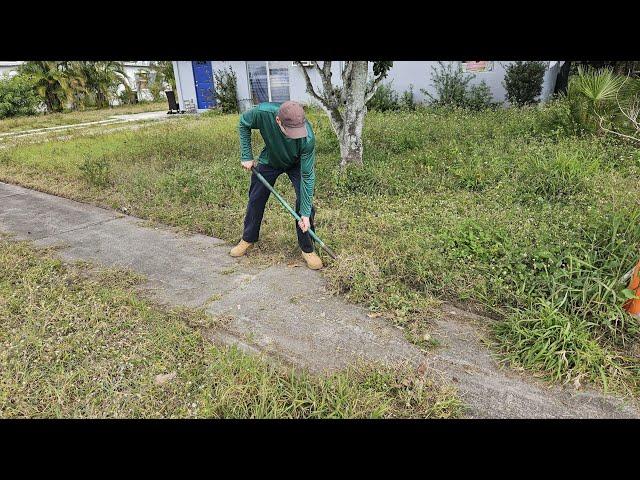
x: 298, y: 85
x: 240, y: 69
x: 9, y: 69
x: 401, y: 75
x: 404, y: 73
x: 185, y: 83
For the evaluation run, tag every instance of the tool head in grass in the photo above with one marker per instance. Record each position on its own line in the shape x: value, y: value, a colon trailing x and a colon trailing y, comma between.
x: 291, y: 120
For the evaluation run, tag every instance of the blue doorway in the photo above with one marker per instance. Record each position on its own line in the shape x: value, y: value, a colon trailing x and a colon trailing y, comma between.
x: 203, y: 78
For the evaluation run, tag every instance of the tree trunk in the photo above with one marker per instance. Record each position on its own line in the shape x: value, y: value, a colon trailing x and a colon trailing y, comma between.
x: 347, y: 106
x: 52, y: 102
x: 350, y: 136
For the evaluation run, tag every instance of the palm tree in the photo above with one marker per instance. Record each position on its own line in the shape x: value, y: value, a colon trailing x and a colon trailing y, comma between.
x: 53, y: 82
x: 164, y: 73
x: 598, y: 86
x: 613, y: 100
x: 99, y: 80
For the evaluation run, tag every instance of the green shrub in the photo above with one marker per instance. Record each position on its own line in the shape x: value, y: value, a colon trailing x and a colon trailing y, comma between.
x: 407, y: 101
x: 452, y: 88
x: 384, y: 99
x: 479, y: 96
x: 450, y: 84
x: 226, y: 82
x: 157, y: 91
x: 96, y: 171
x: 593, y: 101
x: 609, y: 103
x: 564, y: 116
x: 17, y: 97
x: 523, y: 82
x: 128, y: 96
x: 164, y: 75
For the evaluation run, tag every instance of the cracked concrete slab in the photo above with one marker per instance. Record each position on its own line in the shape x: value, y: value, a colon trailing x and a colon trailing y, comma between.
x: 288, y: 312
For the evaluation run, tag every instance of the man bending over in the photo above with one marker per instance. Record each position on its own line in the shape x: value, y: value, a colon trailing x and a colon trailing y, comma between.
x: 289, y: 148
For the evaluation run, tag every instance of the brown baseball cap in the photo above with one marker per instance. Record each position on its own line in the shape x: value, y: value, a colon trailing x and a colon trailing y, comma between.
x: 292, y: 117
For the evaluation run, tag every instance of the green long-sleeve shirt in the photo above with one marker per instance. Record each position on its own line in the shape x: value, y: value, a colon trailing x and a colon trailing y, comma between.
x: 280, y: 151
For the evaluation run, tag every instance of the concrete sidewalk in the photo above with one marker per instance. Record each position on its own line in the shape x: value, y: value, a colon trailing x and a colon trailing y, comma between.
x: 114, y: 119
x: 284, y: 311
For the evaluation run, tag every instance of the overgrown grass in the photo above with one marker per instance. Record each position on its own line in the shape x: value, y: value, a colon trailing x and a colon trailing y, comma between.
x: 17, y: 124
x: 496, y: 208
x: 547, y: 341
x: 80, y: 343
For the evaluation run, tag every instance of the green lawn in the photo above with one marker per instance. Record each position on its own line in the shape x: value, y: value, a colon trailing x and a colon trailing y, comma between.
x: 18, y: 124
x: 496, y: 210
x: 78, y: 342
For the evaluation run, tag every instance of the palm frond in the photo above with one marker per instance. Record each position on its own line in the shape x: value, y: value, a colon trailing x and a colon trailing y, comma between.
x: 598, y: 86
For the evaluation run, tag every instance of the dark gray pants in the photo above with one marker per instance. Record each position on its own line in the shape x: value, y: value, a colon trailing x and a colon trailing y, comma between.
x: 258, y: 196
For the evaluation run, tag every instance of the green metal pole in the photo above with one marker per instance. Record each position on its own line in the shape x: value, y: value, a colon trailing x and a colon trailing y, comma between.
x: 293, y: 213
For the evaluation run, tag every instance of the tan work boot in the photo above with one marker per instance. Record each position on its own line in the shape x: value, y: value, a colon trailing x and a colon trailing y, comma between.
x: 313, y: 260
x: 240, y: 249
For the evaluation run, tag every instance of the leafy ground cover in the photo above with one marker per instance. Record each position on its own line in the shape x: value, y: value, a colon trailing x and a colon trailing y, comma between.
x: 76, y: 341
x: 500, y: 210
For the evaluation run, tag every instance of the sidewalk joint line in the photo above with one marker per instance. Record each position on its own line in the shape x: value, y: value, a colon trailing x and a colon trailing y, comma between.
x: 14, y: 194
x: 88, y: 225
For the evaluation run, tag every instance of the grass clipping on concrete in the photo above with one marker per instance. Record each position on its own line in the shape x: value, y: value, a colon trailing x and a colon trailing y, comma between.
x: 77, y: 342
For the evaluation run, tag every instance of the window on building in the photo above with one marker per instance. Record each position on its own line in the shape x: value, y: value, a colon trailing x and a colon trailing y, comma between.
x: 258, y: 82
x: 142, y: 81
x: 279, y: 81
x: 268, y: 81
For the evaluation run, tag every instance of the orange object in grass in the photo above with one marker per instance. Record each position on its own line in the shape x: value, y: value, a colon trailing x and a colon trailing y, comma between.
x: 633, y: 305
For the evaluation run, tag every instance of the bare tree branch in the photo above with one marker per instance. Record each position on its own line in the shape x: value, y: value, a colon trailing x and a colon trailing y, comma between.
x: 605, y: 129
x: 327, y: 85
x: 631, y: 115
x: 310, y: 90
x: 346, y: 72
x: 327, y: 99
x: 374, y: 86
x: 346, y: 81
x: 634, y: 108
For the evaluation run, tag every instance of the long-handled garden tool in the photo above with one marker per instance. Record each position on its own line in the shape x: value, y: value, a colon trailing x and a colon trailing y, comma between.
x: 293, y: 213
